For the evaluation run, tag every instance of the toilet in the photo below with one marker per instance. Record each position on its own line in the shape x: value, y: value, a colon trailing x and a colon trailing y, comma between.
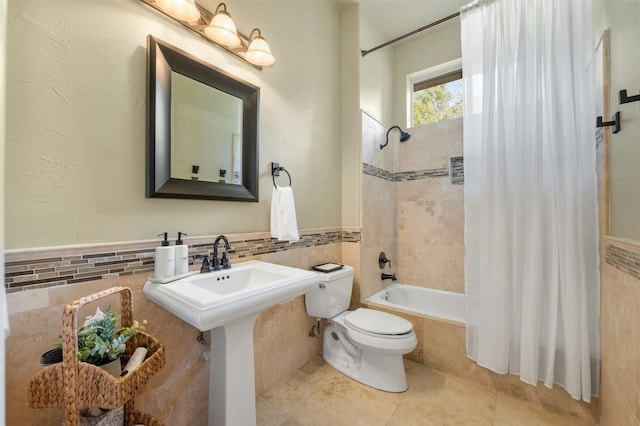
x: 365, y: 344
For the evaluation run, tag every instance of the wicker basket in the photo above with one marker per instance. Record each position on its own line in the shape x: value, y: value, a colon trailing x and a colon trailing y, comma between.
x: 74, y: 385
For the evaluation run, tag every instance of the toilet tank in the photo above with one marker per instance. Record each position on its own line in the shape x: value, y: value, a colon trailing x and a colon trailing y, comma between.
x: 332, y: 295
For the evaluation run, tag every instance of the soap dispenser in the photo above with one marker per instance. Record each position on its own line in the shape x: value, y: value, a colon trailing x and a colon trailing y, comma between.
x: 182, y: 256
x: 165, y: 260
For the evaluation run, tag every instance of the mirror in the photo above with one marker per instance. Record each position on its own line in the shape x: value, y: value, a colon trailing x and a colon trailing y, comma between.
x: 202, y: 129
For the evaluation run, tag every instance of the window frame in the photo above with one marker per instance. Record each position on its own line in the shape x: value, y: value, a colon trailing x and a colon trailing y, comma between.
x: 425, y: 75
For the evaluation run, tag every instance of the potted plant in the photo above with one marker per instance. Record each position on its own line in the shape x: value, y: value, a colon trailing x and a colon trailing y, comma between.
x: 101, y: 343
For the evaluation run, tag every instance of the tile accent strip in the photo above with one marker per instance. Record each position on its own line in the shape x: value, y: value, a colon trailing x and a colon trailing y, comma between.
x: 53, y: 270
x: 623, y: 259
x: 374, y: 171
x: 420, y: 174
x: 456, y: 165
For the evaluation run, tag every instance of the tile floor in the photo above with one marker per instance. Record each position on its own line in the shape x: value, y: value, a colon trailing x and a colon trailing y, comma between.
x: 318, y: 395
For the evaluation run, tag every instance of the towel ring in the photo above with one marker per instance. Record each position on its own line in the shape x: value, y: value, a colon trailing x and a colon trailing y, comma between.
x: 275, y: 173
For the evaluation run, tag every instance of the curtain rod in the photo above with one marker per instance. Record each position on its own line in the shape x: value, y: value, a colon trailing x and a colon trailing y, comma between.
x: 426, y: 27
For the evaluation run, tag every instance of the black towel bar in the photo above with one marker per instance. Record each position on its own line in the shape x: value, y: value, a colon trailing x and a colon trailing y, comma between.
x: 615, y: 122
x: 275, y: 171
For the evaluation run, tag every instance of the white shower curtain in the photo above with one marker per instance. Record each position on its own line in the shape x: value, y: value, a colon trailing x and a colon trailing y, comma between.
x: 531, y: 251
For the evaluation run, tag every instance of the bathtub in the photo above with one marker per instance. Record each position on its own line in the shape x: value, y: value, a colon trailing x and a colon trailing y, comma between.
x: 423, y: 301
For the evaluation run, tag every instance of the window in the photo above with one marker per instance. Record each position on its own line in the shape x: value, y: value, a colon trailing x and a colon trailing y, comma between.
x: 435, y: 94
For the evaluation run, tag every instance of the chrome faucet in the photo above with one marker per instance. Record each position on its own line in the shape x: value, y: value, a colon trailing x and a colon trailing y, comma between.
x: 224, y: 262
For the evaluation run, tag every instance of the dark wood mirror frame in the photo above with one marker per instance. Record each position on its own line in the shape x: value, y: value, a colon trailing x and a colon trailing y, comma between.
x: 162, y: 59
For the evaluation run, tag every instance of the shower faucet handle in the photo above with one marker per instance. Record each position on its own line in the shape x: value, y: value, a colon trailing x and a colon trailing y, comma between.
x: 382, y: 260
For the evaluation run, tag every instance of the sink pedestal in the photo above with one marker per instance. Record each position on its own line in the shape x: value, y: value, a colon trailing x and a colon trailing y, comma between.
x: 232, y: 393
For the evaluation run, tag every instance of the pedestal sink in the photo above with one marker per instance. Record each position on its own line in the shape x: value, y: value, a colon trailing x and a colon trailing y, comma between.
x: 228, y: 302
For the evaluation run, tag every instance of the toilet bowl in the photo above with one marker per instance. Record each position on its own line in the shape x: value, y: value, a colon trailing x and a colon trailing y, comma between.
x: 370, y: 357
x: 364, y: 344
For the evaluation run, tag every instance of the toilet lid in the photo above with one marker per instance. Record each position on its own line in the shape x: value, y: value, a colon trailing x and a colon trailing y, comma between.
x: 378, y: 322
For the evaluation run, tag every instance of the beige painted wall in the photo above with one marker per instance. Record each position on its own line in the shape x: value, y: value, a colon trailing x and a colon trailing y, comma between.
x: 350, y: 113
x: 76, y: 96
x: 376, y: 74
x: 622, y: 17
x: 624, y: 169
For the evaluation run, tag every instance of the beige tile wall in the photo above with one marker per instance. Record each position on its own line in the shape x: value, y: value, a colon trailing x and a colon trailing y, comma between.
x: 29, y: 269
x: 620, y: 337
x: 178, y: 394
x: 417, y: 221
x: 378, y: 207
x: 430, y: 212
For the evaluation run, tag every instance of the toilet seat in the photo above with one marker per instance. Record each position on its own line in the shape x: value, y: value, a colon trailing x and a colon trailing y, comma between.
x: 378, y: 323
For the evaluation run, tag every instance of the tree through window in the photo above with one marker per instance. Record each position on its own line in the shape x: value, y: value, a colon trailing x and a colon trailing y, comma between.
x: 437, y: 99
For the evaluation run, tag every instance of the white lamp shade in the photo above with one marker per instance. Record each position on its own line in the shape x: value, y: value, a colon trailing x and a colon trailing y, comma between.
x: 259, y: 52
x: 222, y: 30
x: 184, y: 10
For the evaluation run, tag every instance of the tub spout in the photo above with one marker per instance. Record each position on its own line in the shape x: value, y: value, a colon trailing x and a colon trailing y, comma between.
x: 391, y: 277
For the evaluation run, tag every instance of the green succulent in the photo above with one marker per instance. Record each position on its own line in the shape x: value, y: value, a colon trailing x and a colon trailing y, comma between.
x: 99, y: 342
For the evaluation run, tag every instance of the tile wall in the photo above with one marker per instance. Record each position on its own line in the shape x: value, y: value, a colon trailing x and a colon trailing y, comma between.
x: 430, y: 211
x: 178, y: 394
x: 413, y: 206
x: 30, y: 269
x: 379, y: 232
x: 620, y: 333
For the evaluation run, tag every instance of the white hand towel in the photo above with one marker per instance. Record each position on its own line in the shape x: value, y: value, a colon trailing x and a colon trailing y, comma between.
x: 284, y: 225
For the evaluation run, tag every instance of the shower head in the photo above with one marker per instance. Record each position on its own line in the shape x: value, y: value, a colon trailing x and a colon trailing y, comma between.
x: 404, y: 136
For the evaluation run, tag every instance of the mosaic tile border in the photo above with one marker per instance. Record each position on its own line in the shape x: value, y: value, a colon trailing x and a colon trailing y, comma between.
x: 420, y: 174
x: 456, y: 165
x: 374, y: 171
x: 35, y: 271
x: 623, y: 259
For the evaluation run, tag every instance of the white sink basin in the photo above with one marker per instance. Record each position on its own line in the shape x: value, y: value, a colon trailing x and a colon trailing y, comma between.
x: 217, y: 298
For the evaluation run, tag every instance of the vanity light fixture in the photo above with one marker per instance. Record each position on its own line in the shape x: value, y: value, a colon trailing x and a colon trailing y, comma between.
x: 218, y: 28
x: 183, y: 10
x: 258, y: 52
x: 221, y: 29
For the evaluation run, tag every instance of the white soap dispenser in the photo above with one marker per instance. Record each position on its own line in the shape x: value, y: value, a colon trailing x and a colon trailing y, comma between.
x: 165, y: 260
x: 182, y: 256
